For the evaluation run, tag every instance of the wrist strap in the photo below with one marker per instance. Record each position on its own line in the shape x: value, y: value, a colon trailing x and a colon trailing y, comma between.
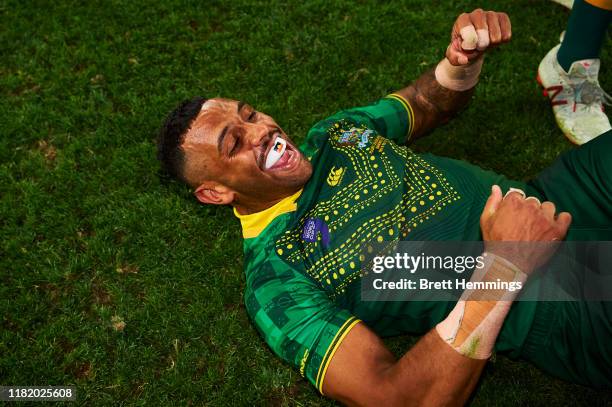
x: 458, y: 78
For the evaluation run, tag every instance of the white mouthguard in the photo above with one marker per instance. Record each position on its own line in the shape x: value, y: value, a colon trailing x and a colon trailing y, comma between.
x: 276, y: 152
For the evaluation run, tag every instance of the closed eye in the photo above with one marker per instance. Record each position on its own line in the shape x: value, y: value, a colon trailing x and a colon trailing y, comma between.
x: 235, y: 148
x: 252, y: 116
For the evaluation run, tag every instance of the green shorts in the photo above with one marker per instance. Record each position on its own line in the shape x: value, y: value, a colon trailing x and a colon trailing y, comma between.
x: 573, y: 340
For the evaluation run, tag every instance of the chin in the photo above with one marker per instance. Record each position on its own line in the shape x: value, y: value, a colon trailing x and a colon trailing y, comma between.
x: 299, y: 178
x: 304, y: 173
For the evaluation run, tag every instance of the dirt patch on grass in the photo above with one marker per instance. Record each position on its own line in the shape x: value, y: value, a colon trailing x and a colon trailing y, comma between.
x: 80, y: 370
x: 100, y: 295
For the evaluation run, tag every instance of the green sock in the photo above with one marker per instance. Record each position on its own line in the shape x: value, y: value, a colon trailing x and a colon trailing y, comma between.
x: 586, y: 30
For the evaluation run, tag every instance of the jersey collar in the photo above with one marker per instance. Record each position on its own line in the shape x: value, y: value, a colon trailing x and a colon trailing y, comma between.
x: 254, y: 223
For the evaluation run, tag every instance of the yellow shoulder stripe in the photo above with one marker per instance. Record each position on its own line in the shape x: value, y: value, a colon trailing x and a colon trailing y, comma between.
x: 253, y: 224
x: 331, y: 350
x: 409, y: 110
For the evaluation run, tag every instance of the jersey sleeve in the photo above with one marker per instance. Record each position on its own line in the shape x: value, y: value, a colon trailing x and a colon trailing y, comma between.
x: 296, y: 318
x: 392, y: 117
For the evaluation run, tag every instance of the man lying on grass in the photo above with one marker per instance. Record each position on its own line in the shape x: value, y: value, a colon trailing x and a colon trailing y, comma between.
x: 306, y: 213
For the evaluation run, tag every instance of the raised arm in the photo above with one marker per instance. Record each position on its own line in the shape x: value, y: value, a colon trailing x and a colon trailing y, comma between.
x: 438, y: 94
x: 444, y: 366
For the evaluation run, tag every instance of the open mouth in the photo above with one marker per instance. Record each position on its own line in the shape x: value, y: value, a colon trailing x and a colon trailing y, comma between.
x: 280, y: 156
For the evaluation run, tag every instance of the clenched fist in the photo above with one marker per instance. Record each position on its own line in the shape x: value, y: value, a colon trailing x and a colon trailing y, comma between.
x: 474, y: 32
x: 515, y: 219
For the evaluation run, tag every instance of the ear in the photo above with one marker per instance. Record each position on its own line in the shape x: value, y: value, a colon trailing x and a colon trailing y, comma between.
x: 213, y: 193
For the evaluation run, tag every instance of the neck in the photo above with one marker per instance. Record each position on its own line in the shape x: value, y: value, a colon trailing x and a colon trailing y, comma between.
x: 255, y: 207
x: 245, y: 206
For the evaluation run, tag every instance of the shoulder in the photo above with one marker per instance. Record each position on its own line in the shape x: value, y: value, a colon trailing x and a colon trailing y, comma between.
x: 390, y: 117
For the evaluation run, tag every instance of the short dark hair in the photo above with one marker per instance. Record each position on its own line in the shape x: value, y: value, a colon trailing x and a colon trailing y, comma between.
x: 172, y: 134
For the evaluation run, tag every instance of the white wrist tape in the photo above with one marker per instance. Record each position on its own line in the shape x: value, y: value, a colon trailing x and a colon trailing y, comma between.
x: 458, y: 78
x: 473, y: 325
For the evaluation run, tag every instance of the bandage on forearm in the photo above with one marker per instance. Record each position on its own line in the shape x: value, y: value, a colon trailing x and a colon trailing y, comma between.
x: 473, y: 325
x: 458, y: 78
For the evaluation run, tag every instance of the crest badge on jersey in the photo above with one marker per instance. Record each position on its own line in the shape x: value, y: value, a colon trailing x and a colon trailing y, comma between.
x: 355, y: 136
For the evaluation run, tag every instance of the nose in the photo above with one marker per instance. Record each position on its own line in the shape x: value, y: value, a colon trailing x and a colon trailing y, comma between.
x: 258, y: 133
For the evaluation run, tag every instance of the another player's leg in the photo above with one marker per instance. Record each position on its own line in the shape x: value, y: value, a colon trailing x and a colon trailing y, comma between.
x: 569, y: 73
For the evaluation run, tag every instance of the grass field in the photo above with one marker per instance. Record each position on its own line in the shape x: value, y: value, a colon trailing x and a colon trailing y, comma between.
x: 120, y: 283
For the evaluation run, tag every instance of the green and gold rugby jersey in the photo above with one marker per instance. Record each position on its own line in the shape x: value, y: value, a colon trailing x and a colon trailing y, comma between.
x: 303, y: 255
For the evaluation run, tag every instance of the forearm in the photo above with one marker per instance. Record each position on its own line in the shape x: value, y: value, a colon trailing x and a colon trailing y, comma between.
x: 364, y: 373
x: 433, y: 374
x: 434, y: 103
x: 443, y: 368
x: 449, y: 359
